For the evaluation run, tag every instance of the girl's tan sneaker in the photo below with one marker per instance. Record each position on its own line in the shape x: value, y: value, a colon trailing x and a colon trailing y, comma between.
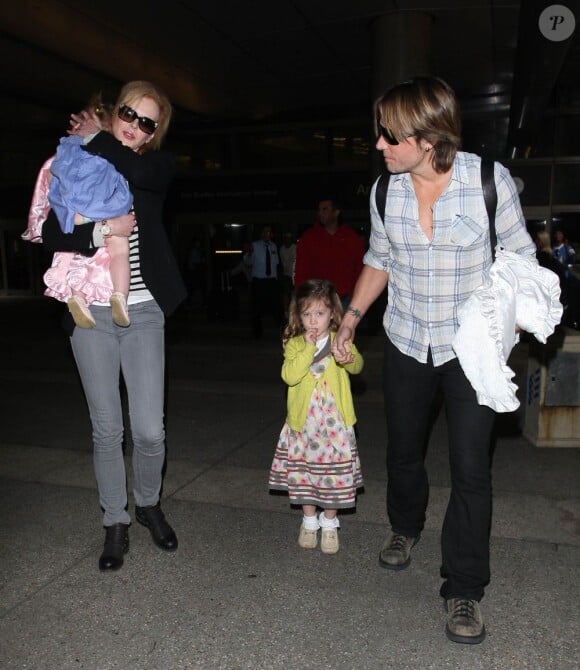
x: 308, y: 539
x: 329, y: 541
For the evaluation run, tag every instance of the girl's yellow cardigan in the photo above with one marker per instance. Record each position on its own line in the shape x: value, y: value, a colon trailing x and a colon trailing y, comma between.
x: 298, y: 357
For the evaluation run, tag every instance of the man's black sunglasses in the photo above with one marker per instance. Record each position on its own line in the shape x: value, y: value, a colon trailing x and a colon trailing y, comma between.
x: 388, y: 136
x: 147, y: 125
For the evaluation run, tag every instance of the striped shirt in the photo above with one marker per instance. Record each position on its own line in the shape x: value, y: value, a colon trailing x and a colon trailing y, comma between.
x: 429, y: 280
x: 138, y: 291
x: 137, y: 282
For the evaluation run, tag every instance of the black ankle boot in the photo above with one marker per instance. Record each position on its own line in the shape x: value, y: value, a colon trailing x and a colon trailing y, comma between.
x: 162, y: 533
x: 116, y: 546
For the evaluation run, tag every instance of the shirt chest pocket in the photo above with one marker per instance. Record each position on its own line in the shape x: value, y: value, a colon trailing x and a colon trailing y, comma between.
x: 465, y: 232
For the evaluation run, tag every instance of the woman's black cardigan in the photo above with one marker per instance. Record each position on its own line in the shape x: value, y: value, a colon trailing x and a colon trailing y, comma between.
x: 148, y: 176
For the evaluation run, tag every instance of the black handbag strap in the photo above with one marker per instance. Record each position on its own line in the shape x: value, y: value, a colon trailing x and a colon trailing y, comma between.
x: 489, y: 195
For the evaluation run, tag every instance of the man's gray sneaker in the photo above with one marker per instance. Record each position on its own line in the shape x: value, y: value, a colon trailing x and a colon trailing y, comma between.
x: 464, y: 621
x: 396, y: 552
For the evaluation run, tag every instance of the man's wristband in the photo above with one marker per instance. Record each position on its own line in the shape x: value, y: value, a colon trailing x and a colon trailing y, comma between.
x: 354, y: 311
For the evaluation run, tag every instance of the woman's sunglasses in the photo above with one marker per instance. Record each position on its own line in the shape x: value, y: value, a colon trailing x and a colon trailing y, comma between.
x: 147, y: 125
x: 388, y: 136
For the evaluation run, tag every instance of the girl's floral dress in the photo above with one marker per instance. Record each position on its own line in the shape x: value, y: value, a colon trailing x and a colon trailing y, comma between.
x: 318, y: 465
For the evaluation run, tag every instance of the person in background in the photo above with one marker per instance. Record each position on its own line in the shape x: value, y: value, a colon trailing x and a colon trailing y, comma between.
x: 546, y: 259
x: 244, y: 267
x: 195, y: 274
x: 266, y: 295
x: 432, y: 248
x: 316, y: 459
x: 562, y: 250
x: 288, y: 258
x: 330, y: 250
x: 569, y: 282
x: 140, y: 120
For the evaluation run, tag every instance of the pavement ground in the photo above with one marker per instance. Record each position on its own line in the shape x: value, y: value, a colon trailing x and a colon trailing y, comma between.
x: 239, y: 594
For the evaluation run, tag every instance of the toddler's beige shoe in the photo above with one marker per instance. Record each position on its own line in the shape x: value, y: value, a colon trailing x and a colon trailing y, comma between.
x: 80, y: 312
x: 119, y: 308
x: 308, y: 539
x: 329, y: 540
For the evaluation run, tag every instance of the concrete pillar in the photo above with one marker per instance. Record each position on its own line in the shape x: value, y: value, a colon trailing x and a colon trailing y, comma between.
x: 401, y: 49
x: 401, y: 43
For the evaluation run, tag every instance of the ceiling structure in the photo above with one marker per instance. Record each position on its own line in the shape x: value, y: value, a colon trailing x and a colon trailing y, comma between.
x: 234, y: 61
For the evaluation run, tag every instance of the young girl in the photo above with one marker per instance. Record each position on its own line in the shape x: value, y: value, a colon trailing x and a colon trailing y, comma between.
x: 316, y: 458
x: 81, y: 187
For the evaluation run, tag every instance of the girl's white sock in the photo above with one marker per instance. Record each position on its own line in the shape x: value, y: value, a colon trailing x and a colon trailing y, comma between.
x: 328, y: 523
x: 310, y: 522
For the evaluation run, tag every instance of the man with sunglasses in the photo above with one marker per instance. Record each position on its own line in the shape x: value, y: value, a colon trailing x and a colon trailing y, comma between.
x: 431, y: 246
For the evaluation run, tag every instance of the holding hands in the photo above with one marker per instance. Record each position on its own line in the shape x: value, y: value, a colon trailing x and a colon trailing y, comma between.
x: 346, y: 356
x: 341, y: 346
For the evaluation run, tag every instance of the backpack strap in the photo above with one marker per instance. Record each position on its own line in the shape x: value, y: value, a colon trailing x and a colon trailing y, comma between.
x: 381, y: 194
x: 490, y: 197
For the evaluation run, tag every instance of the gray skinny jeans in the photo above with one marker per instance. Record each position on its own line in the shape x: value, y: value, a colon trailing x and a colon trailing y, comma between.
x: 138, y: 351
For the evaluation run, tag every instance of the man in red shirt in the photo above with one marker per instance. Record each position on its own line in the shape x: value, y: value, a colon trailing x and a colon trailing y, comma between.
x: 330, y: 250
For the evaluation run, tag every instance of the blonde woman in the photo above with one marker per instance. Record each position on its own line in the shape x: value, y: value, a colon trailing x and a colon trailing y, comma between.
x: 140, y: 120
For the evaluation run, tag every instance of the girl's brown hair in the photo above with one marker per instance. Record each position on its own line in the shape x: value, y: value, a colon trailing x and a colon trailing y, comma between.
x: 102, y: 110
x: 312, y: 290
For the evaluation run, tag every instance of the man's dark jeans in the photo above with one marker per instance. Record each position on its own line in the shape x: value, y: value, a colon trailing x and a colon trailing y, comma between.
x: 410, y: 389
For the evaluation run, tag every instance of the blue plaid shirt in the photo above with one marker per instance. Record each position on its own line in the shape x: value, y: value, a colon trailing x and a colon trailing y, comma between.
x: 429, y: 280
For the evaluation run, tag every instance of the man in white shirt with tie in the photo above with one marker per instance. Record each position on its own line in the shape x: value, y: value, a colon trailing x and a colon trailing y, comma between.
x: 266, y: 293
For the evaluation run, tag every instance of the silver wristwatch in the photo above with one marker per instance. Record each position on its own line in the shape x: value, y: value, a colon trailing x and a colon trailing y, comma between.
x: 105, y: 228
